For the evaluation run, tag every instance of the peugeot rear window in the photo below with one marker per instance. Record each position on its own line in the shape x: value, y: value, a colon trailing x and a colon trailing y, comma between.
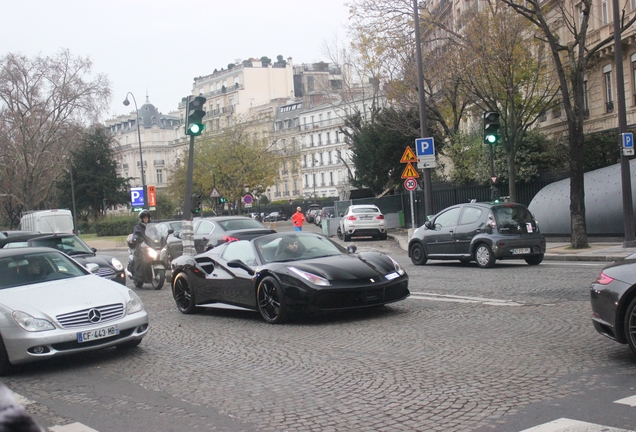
x: 514, y: 219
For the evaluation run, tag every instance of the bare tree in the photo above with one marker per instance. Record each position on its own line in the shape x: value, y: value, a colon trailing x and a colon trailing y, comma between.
x: 44, y: 101
x: 564, y: 29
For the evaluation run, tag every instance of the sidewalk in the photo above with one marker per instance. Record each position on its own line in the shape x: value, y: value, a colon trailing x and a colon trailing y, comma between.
x: 555, y: 250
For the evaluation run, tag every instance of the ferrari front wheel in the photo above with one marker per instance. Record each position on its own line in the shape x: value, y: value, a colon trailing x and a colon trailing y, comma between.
x: 183, y: 294
x: 271, y: 301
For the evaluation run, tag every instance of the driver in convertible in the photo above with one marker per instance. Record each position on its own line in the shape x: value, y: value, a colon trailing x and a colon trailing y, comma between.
x: 288, y: 249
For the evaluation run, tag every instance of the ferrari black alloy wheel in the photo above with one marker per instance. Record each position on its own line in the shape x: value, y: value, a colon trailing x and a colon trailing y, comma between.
x: 183, y: 295
x: 630, y: 325
x: 271, y: 302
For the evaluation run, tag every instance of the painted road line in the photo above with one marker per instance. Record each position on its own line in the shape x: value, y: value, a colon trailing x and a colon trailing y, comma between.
x: 73, y: 427
x: 568, y: 425
x: 463, y: 299
x: 631, y: 401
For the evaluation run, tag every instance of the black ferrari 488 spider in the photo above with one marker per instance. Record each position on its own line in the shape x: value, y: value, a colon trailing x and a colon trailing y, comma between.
x: 286, y: 273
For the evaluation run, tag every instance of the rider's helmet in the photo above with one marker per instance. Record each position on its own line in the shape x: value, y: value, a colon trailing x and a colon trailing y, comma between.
x: 144, y: 213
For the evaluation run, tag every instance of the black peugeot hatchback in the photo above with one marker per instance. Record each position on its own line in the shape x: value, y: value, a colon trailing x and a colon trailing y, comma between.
x: 480, y: 232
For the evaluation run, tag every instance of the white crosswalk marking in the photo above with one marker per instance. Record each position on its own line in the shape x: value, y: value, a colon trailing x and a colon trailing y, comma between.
x: 569, y: 425
x: 631, y: 401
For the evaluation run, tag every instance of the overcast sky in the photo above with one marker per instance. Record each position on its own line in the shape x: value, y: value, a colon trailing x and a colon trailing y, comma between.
x: 159, y: 46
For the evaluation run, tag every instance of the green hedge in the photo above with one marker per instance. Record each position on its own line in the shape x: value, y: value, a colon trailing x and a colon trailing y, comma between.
x: 116, y: 226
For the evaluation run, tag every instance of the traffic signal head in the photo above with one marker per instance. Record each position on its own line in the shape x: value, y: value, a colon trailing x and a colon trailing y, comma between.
x: 194, y: 115
x: 223, y: 200
x: 491, y: 128
x: 195, y: 204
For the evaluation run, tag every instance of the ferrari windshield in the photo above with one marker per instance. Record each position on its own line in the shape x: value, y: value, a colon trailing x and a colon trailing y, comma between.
x: 284, y: 247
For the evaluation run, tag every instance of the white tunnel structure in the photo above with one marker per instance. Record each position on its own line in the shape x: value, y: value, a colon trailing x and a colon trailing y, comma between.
x: 603, y: 203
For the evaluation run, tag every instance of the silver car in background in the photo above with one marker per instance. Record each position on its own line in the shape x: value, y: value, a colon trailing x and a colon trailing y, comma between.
x: 51, y: 306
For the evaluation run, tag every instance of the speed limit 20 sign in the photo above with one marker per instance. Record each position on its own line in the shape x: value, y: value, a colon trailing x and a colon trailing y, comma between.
x: 410, y: 184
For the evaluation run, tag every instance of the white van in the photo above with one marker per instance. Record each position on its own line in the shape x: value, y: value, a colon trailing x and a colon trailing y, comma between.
x: 48, y: 221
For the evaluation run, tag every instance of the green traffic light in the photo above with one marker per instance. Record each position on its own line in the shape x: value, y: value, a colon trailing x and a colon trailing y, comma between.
x: 491, y: 139
x: 196, y: 129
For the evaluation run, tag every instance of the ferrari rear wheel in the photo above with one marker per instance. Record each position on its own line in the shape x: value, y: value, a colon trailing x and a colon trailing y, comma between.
x: 630, y: 325
x: 183, y: 294
x: 271, y: 301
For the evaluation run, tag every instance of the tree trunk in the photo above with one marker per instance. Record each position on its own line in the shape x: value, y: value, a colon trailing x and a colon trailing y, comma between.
x: 577, y: 188
x: 512, y: 177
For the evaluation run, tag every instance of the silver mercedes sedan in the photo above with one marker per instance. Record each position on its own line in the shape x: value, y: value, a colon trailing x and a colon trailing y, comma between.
x: 50, y: 306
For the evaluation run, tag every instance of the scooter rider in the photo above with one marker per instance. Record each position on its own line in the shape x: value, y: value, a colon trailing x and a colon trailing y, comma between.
x: 139, y: 236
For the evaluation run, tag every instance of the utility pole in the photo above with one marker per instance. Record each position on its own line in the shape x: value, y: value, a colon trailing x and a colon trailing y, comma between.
x: 428, y: 189
x: 628, y: 209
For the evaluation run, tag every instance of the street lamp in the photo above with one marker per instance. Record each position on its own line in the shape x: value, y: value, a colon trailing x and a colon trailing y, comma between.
x: 141, y: 159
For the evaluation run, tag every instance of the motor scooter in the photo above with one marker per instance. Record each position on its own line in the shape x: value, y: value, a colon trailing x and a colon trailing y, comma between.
x: 153, y: 267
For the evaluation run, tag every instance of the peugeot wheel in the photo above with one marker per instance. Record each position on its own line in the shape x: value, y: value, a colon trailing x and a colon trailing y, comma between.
x: 534, y: 260
x: 418, y: 256
x: 183, y: 294
x: 158, y: 279
x: 271, y: 301
x: 484, y: 256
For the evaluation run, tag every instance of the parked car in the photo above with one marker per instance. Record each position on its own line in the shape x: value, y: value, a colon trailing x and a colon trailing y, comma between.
x: 311, y: 212
x: 213, y: 231
x: 165, y: 227
x: 73, y: 246
x: 324, y: 213
x: 480, y: 232
x: 613, y: 298
x: 255, y: 216
x: 275, y: 217
x: 257, y: 274
x: 362, y: 220
x: 52, y: 306
x: 48, y: 221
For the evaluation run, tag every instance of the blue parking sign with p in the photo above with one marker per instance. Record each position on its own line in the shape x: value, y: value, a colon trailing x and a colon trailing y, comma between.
x: 425, y: 147
x: 137, y: 197
x: 628, y: 140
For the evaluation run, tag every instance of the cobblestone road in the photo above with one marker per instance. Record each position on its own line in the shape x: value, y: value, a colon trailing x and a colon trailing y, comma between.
x: 429, y: 363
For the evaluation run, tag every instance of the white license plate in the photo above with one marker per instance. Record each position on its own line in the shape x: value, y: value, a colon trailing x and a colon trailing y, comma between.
x: 392, y: 276
x: 97, y: 334
x: 521, y: 251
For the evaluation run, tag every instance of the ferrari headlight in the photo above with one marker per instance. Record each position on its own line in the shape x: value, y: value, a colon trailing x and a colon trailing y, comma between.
x: 31, y: 324
x: 310, y: 277
x: 152, y: 253
x: 398, y: 268
x: 134, y: 304
x: 117, y: 264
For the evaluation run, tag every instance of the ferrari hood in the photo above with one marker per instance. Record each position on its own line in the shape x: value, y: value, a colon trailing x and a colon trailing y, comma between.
x: 347, y: 267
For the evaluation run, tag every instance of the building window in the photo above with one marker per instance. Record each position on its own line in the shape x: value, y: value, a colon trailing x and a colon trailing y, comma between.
x: 586, y: 102
x: 609, y: 91
x: 633, y: 58
x: 159, y: 176
x: 604, y: 14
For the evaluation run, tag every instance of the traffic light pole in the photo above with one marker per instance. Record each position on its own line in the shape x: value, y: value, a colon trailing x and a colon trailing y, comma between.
x: 187, y: 233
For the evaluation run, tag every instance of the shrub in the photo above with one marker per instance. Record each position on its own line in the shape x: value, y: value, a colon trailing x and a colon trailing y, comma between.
x: 116, y: 226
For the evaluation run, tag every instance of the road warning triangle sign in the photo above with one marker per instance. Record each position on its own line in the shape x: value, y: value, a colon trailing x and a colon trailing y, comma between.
x: 408, y: 156
x: 410, y: 171
x: 215, y: 193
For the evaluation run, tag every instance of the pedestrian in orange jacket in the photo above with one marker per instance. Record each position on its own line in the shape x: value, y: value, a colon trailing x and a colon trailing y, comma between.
x: 297, y: 219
